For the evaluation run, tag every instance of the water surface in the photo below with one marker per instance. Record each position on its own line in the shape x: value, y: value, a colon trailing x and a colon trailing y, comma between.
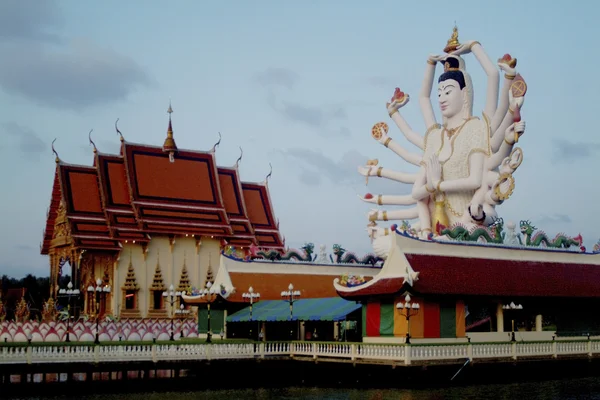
x: 570, y: 389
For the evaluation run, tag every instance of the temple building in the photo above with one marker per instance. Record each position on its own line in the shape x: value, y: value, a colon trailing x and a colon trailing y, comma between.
x: 150, y: 217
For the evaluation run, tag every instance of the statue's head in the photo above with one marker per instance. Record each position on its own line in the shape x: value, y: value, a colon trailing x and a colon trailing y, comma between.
x: 455, y: 94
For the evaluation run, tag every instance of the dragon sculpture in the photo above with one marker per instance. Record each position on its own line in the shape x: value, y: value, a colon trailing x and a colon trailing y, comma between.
x: 306, y: 254
x: 540, y: 238
x: 341, y: 256
x: 492, y: 234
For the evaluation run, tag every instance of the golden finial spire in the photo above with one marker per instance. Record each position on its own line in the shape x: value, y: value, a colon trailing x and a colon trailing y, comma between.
x: 453, y: 42
x: 169, y: 145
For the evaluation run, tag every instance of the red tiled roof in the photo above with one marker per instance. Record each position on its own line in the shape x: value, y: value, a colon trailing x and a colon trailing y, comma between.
x: 260, y: 212
x: 139, y: 192
x: 463, y: 276
x: 271, y: 285
x: 474, y: 276
x: 52, y: 213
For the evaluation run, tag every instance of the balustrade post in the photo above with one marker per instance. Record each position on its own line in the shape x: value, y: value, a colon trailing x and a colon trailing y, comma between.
x: 29, y: 351
x: 153, y: 353
x: 513, y: 347
x: 292, y: 349
x: 208, y: 351
x: 261, y: 347
x: 589, y: 347
x: 353, y: 352
x: 314, y: 350
x: 96, y: 353
x: 554, y: 350
x: 470, y: 351
x: 407, y: 354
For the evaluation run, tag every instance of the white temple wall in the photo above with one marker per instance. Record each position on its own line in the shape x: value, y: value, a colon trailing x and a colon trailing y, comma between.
x: 171, y: 259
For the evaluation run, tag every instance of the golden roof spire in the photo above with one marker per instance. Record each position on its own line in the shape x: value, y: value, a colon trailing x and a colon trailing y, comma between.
x: 169, y: 145
x: 453, y: 42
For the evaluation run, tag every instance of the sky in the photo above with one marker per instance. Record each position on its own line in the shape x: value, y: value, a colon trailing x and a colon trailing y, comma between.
x: 297, y: 84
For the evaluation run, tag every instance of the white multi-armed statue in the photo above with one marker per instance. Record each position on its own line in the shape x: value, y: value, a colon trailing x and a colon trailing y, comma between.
x: 466, y: 162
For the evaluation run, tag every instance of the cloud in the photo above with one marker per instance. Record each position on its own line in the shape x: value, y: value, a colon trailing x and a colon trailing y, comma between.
x: 555, y: 219
x: 29, y: 141
x: 38, y: 64
x: 570, y: 152
x: 30, y: 20
x: 316, y: 166
x: 76, y: 77
x: 277, y: 77
x: 25, y: 247
x: 315, y: 117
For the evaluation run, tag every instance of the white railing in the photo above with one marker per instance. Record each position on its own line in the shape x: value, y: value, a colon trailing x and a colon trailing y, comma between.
x: 395, y: 353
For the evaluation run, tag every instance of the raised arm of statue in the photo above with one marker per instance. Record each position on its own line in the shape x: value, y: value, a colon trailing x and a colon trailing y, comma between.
x: 511, y: 135
x: 426, y: 88
x: 387, y: 173
x: 497, y: 138
x: 399, y: 100
x: 506, y: 64
x: 491, y: 101
x: 397, y: 148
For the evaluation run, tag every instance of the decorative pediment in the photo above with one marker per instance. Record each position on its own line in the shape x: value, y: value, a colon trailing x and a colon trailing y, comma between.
x: 61, y: 223
x: 158, y: 283
x: 184, y: 280
x: 130, y: 280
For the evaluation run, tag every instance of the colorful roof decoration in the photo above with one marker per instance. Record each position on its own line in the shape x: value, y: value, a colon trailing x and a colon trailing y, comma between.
x: 149, y: 190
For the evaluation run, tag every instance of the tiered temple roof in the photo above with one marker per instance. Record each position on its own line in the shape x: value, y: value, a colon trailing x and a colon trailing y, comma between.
x: 148, y: 190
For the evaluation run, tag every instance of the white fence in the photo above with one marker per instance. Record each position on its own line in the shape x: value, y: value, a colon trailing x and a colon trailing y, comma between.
x: 397, y: 354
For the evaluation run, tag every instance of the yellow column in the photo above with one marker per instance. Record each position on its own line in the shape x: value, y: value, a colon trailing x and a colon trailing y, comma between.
x: 500, y: 318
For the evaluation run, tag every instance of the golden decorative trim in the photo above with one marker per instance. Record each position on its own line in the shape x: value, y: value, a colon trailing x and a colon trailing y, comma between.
x: 509, y: 77
x: 505, y: 177
x: 385, y: 217
x: 392, y: 113
x: 379, y: 171
x: 438, y: 187
x: 387, y: 141
x: 432, y: 191
x: 430, y: 62
x: 386, y: 231
x: 373, y: 217
x: 510, y: 110
x: 507, y: 142
x: 379, y: 200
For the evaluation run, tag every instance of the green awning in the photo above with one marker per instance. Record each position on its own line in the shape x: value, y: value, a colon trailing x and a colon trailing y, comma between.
x: 323, y: 309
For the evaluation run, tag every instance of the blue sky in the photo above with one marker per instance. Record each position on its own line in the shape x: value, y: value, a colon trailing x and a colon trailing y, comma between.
x: 298, y: 84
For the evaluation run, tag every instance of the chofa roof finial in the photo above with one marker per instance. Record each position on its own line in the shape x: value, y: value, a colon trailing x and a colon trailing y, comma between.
x: 54, y: 151
x: 91, y: 141
x: 214, y: 148
x: 118, y: 131
x: 240, y: 158
x: 269, y: 174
